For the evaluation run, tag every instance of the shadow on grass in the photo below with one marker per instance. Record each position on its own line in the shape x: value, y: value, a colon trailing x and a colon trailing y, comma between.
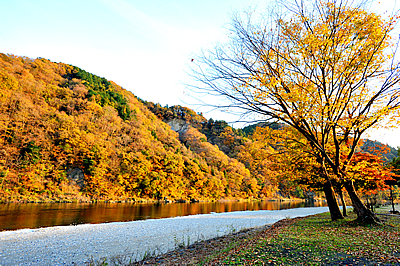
x: 312, y: 240
x: 316, y: 240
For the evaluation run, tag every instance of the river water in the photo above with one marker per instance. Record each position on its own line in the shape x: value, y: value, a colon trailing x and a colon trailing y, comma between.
x: 35, y: 215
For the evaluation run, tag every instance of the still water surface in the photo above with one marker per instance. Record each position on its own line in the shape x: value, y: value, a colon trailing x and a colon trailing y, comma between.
x: 35, y: 215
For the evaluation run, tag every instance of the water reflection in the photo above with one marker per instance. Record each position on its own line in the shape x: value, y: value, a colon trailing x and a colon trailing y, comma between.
x: 35, y: 215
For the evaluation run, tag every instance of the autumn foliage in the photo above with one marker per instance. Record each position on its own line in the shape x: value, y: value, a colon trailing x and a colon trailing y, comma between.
x: 55, y: 118
x: 326, y: 68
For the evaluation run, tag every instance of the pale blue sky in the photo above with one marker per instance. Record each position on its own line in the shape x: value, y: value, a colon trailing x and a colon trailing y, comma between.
x: 143, y: 45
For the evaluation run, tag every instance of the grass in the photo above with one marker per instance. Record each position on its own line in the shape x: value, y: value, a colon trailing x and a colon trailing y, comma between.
x: 316, y: 240
x: 313, y: 240
x: 387, y: 208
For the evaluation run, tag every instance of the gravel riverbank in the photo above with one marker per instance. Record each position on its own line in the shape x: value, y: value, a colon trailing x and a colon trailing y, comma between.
x: 75, y: 245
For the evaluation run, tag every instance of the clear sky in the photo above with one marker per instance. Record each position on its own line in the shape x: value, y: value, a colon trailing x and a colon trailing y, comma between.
x: 143, y: 45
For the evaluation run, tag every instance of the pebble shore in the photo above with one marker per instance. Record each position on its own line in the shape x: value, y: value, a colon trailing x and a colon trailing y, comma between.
x: 75, y: 245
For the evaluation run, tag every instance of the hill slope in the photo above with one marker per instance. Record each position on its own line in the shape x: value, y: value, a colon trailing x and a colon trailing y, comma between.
x: 68, y: 134
x: 241, y: 144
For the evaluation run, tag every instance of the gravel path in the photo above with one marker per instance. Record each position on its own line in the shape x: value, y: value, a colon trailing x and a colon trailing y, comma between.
x: 70, y: 245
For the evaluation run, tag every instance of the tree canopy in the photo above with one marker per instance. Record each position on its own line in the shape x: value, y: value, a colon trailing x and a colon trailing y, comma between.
x: 326, y: 68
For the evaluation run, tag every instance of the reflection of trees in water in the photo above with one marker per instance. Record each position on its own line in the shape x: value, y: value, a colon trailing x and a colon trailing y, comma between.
x: 34, y: 215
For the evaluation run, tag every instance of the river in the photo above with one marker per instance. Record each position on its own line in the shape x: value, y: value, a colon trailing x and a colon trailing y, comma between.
x: 36, y: 215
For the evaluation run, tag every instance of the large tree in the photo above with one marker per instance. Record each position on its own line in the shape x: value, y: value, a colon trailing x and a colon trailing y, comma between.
x: 324, y: 67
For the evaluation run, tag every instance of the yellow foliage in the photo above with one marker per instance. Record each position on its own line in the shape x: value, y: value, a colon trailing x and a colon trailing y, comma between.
x: 49, y: 123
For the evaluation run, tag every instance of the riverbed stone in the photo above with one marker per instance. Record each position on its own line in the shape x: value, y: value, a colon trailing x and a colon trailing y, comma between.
x: 76, y: 175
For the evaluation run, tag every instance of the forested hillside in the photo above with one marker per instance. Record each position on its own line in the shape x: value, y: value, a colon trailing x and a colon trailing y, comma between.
x: 249, y: 146
x: 256, y: 146
x: 217, y: 132
x: 386, y: 152
x: 68, y: 134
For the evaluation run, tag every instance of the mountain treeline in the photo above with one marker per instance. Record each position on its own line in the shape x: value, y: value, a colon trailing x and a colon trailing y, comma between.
x: 66, y: 134
x: 248, y: 145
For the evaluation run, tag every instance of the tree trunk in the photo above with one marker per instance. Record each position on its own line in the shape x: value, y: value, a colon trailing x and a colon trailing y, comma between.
x: 364, y: 215
x: 344, y: 206
x: 391, y: 198
x: 332, y: 202
x: 368, y: 205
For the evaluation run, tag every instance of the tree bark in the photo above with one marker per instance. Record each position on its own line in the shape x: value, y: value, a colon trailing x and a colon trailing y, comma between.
x: 344, y: 206
x: 364, y: 215
x: 391, y: 198
x: 332, y: 201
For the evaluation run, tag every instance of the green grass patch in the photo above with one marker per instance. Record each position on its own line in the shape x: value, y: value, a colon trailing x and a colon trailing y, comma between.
x: 316, y: 240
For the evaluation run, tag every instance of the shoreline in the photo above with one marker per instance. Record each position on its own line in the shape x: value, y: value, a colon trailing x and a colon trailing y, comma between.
x: 77, y: 244
x: 161, y: 201
x: 31, y: 215
x: 291, y: 242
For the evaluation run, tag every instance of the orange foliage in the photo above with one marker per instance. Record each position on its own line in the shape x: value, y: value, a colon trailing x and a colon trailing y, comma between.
x: 51, y: 121
x: 369, y: 173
